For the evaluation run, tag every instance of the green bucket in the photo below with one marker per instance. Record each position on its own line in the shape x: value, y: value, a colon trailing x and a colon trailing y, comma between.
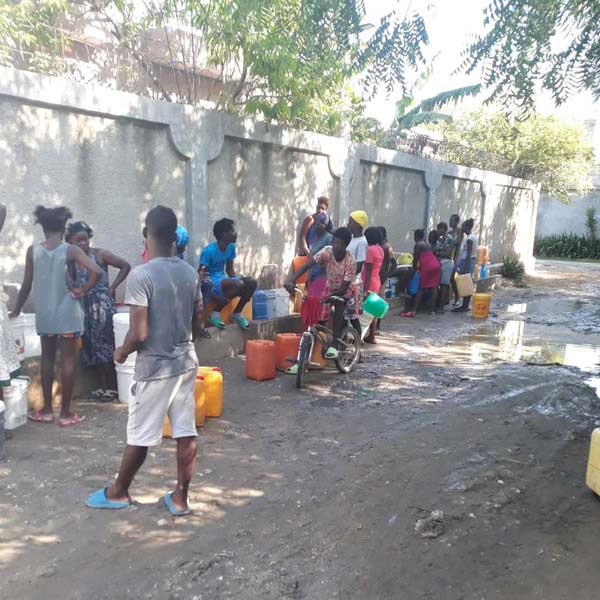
x: 376, y: 306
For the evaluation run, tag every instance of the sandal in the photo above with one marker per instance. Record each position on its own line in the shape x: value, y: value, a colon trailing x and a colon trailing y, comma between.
x: 39, y: 417
x: 70, y: 421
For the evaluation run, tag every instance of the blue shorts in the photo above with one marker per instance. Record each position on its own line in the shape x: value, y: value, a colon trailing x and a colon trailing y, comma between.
x: 214, y: 290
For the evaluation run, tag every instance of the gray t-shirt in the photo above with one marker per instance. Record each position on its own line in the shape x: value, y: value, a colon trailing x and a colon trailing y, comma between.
x: 169, y: 288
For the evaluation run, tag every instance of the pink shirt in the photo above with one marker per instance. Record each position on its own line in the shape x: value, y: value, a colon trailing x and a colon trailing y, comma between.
x: 375, y: 258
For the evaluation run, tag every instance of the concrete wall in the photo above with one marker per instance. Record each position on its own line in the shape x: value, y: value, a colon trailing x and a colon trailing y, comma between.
x: 110, y: 156
x: 555, y: 217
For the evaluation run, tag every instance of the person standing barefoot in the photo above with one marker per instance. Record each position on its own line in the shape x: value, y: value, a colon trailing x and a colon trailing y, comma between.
x: 166, y: 315
x: 58, y: 309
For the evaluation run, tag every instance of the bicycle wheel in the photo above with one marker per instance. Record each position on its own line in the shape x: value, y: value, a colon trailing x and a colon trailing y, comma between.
x: 303, y: 357
x: 348, y: 349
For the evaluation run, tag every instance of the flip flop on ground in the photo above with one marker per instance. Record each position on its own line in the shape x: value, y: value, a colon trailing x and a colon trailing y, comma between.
x: 174, y: 511
x: 40, y: 417
x: 70, y: 421
x: 98, y: 499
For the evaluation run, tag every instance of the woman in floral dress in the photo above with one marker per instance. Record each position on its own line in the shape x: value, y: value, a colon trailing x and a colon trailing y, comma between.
x: 98, y: 338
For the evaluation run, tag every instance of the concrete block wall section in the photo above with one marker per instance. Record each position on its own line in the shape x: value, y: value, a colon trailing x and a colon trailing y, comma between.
x: 110, y: 156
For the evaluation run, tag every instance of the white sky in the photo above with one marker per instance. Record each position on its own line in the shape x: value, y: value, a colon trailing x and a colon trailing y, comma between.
x: 451, y: 25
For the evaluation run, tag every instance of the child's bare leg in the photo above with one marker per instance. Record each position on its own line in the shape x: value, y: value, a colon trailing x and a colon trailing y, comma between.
x: 49, y: 345
x: 68, y: 354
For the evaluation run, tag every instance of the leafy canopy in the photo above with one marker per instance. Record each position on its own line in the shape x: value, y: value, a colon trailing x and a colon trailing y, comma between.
x: 554, y: 44
x: 545, y: 149
x: 287, y: 60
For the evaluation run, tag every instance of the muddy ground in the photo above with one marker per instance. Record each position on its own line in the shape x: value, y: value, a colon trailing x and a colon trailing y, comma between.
x: 317, y: 494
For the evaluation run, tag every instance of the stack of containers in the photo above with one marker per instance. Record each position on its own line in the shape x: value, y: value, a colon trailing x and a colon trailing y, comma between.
x: 124, y: 371
x: 483, y: 257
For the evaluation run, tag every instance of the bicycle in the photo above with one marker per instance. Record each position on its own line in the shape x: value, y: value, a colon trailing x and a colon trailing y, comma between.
x: 348, y: 342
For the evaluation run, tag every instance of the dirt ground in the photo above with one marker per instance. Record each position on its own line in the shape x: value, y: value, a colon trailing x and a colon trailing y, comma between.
x: 333, y: 492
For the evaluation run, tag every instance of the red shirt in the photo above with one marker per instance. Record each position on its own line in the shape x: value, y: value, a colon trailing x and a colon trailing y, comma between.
x: 375, y: 258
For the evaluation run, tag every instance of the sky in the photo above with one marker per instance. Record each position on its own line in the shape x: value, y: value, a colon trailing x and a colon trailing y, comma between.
x: 451, y: 25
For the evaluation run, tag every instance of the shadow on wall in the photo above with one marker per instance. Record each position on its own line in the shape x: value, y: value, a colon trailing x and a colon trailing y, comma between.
x: 109, y: 172
x: 268, y: 190
x: 393, y: 197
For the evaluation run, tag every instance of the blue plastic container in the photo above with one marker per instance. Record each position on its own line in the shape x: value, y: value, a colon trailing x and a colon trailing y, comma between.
x: 413, y: 284
x: 259, y: 305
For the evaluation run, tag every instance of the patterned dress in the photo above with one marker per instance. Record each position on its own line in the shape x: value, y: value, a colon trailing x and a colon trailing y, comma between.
x: 98, y: 337
x: 9, y: 363
x: 338, y: 273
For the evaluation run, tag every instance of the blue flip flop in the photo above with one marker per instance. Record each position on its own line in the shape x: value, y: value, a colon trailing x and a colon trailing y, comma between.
x: 99, y: 500
x: 169, y: 504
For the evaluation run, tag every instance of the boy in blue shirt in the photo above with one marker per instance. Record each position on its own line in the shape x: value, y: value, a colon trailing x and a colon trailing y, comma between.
x: 216, y: 264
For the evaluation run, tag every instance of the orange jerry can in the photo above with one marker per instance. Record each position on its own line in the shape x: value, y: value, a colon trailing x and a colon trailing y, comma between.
x: 298, y: 262
x: 260, y: 360
x: 213, y: 390
x: 286, y: 349
x: 199, y: 407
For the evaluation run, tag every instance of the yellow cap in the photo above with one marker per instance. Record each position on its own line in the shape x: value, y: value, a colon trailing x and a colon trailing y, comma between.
x: 360, y: 216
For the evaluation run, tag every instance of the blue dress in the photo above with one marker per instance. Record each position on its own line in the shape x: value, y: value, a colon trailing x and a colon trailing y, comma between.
x: 98, y: 337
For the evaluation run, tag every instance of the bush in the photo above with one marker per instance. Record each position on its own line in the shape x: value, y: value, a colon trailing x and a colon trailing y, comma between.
x: 512, y: 268
x: 567, y: 245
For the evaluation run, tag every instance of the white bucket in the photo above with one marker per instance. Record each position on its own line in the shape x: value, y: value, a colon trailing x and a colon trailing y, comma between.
x: 120, y: 328
x: 15, y: 401
x: 33, y: 344
x: 124, y: 381
x: 278, y: 303
x: 17, y: 327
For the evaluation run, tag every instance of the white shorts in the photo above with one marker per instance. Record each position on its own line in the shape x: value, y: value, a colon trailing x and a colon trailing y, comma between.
x: 152, y: 400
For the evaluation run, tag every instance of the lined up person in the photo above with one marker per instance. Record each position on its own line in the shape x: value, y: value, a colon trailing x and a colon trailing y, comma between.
x: 59, y: 314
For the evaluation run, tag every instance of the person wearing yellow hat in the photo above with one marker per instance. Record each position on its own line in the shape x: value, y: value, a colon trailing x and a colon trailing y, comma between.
x: 358, y: 248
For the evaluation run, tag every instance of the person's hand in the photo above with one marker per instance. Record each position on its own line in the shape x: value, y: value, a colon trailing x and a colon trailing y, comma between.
x: 113, y: 293
x: 14, y: 314
x: 290, y: 287
x: 120, y: 356
x: 77, y: 293
x: 203, y: 273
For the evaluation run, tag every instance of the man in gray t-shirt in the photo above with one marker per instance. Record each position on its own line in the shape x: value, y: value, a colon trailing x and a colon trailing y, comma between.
x: 165, y: 315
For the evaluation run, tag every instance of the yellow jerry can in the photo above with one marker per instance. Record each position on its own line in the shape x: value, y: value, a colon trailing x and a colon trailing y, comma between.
x: 592, y: 478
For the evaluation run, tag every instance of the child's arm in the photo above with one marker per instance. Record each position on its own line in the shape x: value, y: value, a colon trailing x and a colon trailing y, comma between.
x: 26, y: 286
x: 229, y: 269
x: 76, y: 254
x: 117, y: 262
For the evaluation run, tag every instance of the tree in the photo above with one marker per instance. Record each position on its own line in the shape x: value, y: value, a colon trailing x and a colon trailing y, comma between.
x: 554, y: 44
x: 545, y: 149
x: 288, y: 61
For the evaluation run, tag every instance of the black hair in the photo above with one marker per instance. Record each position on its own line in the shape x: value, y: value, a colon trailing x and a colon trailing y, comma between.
x: 343, y: 233
x: 383, y: 231
x: 161, y: 222
x: 455, y: 217
x: 221, y: 227
x: 373, y: 235
x: 443, y: 226
x: 52, y: 219
x: 78, y: 227
x: 433, y: 237
x: 469, y: 223
x: 419, y: 234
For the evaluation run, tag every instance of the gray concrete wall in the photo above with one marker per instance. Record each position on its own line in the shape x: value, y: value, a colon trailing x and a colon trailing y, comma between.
x: 109, y: 156
x: 555, y: 217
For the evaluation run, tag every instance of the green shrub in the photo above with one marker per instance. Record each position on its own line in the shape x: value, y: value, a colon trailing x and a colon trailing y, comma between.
x: 567, y: 245
x: 512, y: 268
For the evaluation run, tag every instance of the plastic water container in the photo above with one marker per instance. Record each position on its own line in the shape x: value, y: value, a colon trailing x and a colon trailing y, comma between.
x: 297, y: 263
x: 376, y: 306
x: 260, y: 360
x: 199, y: 407
x: 278, y: 303
x: 15, y: 402
x: 481, y: 306
x: 33, y: 343
x: 120, y: 328
x: 592, y: 477
x: 286, y: 350
x: 484, y: 271
x: 259, y: 305
x: 213, y: 390
x: 482, y: 255
x: 124, y: 380
x: 17, y: 327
